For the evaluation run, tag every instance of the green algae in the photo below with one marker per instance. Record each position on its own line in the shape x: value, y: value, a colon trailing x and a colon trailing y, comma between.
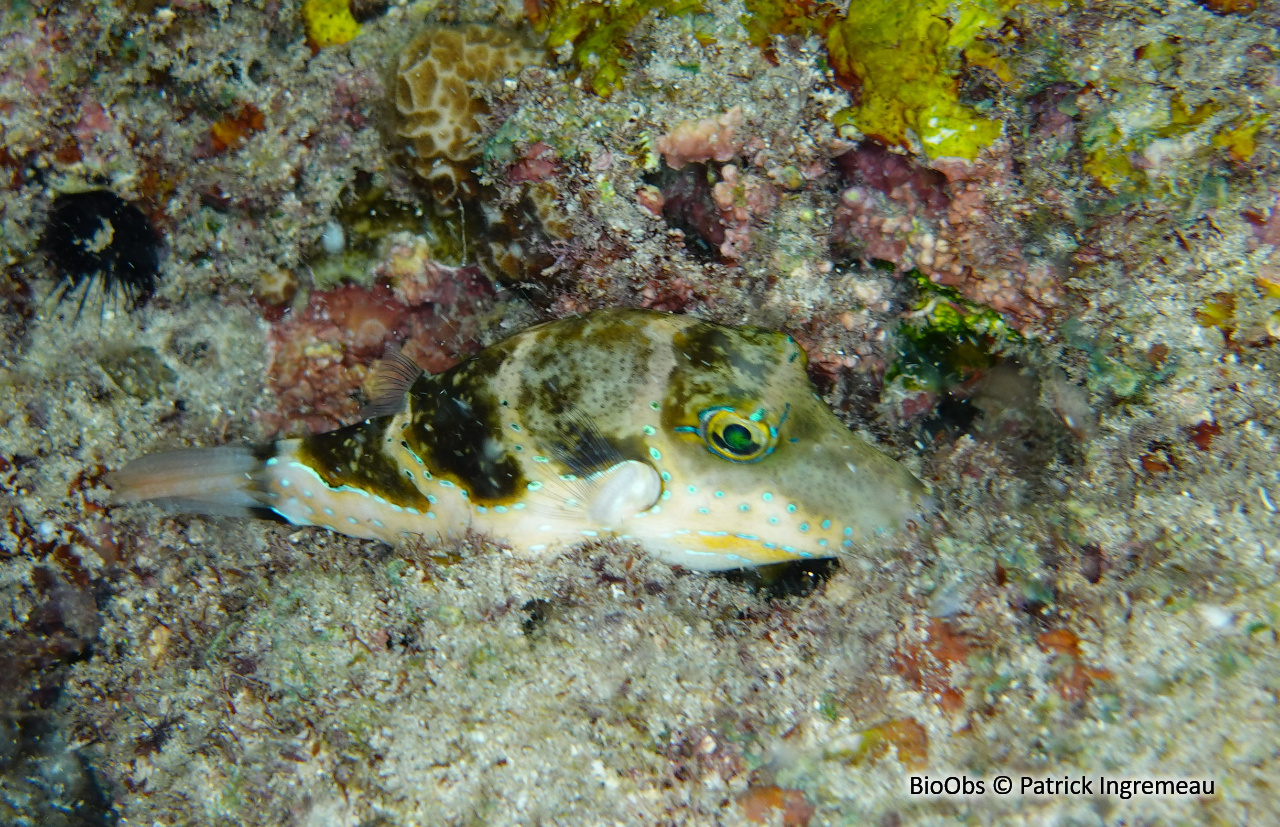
x: 1218, y: 311
x: 598, y: 33
x: 1114, y: 375
x: 448, y: 615
x: 17, y: 11
x: 1126, y: 378
x: 1147, y: 143
x: 905, y: 58
x: 766, y: 19
x: 946, y: 338
x: 1240, y: 138
x: 829, y: 707
x: 1115, y: 140
x: 1116, y: 369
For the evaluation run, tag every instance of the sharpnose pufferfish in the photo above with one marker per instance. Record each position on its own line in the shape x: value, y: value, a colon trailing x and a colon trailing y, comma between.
x: 704, y: 444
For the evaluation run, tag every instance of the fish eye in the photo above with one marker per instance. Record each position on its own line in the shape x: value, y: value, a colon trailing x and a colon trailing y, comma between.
x: 736, y: 438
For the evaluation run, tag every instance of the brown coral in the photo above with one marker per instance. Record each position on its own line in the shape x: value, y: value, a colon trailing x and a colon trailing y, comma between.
x: 437, y: 109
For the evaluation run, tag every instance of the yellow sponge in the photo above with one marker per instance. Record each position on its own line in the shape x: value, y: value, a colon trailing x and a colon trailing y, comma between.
x: 329, y: 22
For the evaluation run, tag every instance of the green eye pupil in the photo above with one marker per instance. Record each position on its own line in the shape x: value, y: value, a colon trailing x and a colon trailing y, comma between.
x: 737, y: 439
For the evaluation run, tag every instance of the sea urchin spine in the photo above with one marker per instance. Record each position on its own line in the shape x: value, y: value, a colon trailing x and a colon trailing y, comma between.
x: 97, y: 234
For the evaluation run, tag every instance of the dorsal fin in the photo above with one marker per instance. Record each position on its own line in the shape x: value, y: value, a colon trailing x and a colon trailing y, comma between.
x: 388, y: 385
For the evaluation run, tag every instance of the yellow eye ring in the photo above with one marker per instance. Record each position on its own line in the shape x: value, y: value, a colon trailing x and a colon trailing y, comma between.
x: 736, y: 438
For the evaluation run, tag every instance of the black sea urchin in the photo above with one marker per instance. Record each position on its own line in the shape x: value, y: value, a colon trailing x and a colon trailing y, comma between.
x: 97, y: 234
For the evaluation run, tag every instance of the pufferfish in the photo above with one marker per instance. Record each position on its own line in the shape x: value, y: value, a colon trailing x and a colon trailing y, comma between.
x: 704, y: 444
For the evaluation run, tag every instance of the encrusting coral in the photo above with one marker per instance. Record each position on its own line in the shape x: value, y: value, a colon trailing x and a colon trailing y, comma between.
x: 437, y: 104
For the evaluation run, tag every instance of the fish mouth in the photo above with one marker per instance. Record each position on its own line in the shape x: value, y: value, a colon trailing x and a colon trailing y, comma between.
x: 831, y: 501
x: 721, y: 551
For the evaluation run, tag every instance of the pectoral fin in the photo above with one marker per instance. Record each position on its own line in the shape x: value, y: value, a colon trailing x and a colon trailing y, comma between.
x: 621, y: 492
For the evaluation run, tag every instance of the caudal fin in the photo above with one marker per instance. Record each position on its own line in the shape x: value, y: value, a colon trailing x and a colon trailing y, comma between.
x: 225, y: 481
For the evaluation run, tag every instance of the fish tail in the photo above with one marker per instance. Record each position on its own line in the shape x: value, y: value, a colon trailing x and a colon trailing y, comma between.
x: 228, y: 481
x: 274, y: 481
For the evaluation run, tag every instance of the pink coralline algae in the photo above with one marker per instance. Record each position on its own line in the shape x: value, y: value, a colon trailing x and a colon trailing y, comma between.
x: 888, y: 194
x: 983, y: 255
x: 684, y: 197
x: 668, y: 292
x: 650, y: 200
x: 537, y: 163
x: 1265, y: 224
x: 94, y: 120
x: 713, y: 186
x: 711, y: 139
x: 896, y: 176
x: 322, y: 355
x: 944, y: 221
x: 352, y: 94
x: 31, y: 50
x: 716, y: 219
x: 740, y: 200
x: 416, y: 279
